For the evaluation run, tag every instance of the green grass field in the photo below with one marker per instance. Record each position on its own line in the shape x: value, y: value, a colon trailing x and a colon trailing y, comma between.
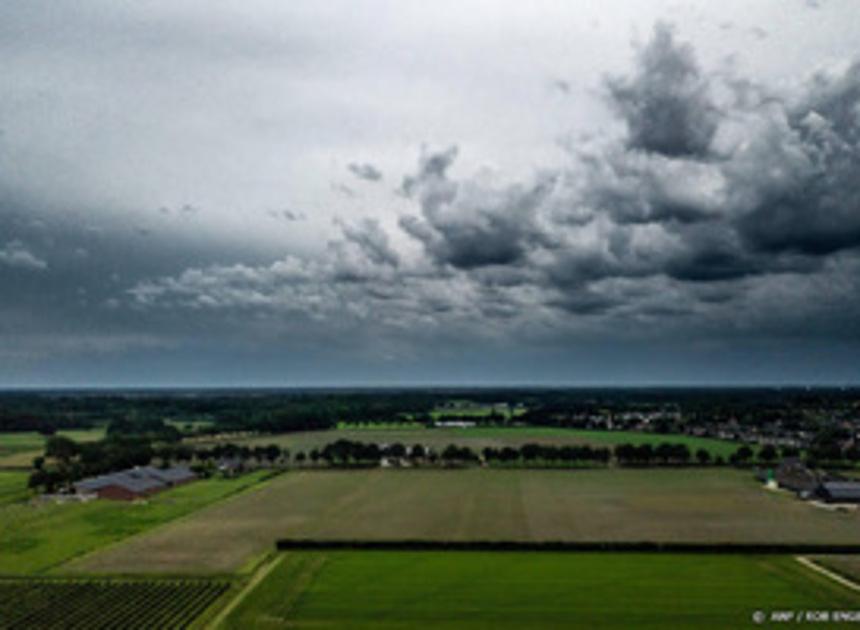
x: 35, y: 538
x: 400, y: 590
x: 694, y: 505
x: 480, y: 437
x: 13, y: 486
x: 17, y: 449
x: 475, y: 411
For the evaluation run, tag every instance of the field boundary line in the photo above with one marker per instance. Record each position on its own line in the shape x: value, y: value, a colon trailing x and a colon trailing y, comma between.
x: 814, y: 566
x: 258, y: 577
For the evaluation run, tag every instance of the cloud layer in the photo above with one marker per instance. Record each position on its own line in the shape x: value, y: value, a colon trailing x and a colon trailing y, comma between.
x: 716, y: 193
x: 674, y: 205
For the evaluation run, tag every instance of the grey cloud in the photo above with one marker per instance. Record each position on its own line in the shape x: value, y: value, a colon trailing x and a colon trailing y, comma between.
x: 584, y: 302
x: 759, y: 33
x: 561, y: 86
x: 467, y: 224
x: 637, y: 188
x: 15, y: 254
x: 373, y: 241
x: 185, y: 209
x: 365, y: 171
x: 287, y: 215
x: 343, y: 189
x: 705, y: 205
x: 432, y: 166
x: 666, y: 104
x: 697, y: 206
x: 806, y: 196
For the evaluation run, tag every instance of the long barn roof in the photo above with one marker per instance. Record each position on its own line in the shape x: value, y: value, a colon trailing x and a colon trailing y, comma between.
x: 137, y: 480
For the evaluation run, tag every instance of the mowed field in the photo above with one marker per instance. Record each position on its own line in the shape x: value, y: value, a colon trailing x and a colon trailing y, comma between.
x: 692, y: 505
x: 35, y: 537
x: 480, y: 437
x: 13, y: 486
x: 400, y: 590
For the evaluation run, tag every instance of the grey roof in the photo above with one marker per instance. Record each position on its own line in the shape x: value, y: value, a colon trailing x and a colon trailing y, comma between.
x: 169, y: 475
x: 842, y: 490
x: 138, y: 480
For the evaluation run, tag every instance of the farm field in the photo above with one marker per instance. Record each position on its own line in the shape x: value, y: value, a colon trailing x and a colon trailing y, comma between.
x: 17, y: 449
x: 480, y: 437
x: 475, y: 411
x: 87, y: 604
x: 13, y: 486
x: 399, y: 590
x: 35, y: 537
x: 694, y: 505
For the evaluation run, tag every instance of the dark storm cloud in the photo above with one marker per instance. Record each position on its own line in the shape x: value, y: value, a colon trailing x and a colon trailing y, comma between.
x: 64, y: 279
x: 365, y: 171
x: 697, y: 217
x: 808, y: 200
x: 725, y: 210
x: 666, y: 104
x: 468, y: 225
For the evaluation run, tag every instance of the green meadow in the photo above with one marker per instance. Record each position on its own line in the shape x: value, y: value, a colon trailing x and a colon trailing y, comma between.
x: 453, y: 590
x: 36, y: 537
x: 13, y: 486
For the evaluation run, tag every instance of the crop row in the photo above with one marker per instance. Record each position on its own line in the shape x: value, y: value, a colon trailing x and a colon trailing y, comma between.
x: 105, y: 604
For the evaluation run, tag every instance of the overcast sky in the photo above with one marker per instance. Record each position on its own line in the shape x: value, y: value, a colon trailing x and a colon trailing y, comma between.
x: 391, y: 193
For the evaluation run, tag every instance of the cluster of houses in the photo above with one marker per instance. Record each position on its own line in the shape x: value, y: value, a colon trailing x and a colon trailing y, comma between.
x: 793, y: 475
x: 134, y: 483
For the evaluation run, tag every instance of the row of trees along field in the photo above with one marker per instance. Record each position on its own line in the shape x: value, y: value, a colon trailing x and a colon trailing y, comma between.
x: 142, y: 441
x: 127, y: 443
x: 346, y: 452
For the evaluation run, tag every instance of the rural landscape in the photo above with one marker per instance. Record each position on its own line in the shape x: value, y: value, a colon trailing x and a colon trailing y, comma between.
x: 427, y: 508
x: 450, y: 315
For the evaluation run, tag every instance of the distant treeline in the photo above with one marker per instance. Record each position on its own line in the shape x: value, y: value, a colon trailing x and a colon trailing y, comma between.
x: 12, y: 420
x: 347, y: 453
x: 274, y: 411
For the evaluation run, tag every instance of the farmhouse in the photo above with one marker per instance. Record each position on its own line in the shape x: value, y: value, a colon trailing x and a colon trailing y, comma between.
x: 793, y: 475
x: 134, y: 483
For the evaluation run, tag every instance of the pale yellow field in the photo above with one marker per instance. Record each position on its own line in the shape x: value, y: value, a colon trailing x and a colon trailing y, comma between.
x: 632, y: 505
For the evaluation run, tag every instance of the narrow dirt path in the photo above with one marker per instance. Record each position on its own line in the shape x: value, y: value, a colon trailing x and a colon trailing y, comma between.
x: 258, y: 577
